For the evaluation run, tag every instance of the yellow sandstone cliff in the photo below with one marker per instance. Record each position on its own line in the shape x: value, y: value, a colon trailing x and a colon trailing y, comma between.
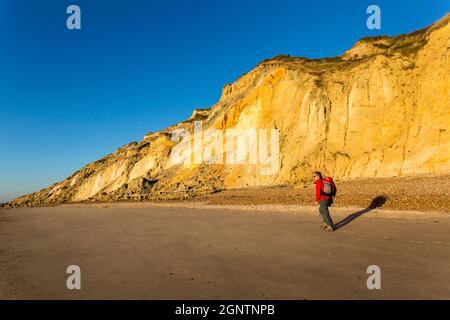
x: 379, y: 110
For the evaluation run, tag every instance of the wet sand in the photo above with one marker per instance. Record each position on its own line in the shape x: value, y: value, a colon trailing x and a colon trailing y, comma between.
x: 198, y: 251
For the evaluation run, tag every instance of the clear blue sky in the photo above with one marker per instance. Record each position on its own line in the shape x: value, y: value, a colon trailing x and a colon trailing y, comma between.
x: 68, y: 98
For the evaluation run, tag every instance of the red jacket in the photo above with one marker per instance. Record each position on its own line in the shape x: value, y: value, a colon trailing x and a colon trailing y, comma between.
x: 319, y: 186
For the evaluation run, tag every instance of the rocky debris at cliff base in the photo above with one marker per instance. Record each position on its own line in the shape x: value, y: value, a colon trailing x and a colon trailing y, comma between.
x: 400, y: 193
x: 425, y: 193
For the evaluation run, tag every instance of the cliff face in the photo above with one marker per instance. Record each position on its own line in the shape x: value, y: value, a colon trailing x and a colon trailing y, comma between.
x: 380, y: 110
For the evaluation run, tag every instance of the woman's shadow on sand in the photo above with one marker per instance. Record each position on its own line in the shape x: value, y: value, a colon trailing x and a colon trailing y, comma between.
x: 376, y: 203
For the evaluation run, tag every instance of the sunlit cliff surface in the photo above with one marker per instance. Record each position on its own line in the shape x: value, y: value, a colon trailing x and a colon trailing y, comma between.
x: 382, y: 109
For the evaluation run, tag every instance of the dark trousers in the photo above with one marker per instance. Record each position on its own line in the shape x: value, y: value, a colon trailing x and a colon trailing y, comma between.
x: 323, y: 209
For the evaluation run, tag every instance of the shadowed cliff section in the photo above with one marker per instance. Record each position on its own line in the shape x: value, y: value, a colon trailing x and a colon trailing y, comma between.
x: 379, y: 110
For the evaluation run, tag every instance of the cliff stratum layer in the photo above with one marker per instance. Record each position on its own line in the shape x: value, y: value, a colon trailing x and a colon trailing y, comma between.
x: 379, y: 110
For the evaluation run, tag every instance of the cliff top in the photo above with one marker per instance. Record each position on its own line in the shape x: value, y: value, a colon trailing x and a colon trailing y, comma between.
x: 409, y: 43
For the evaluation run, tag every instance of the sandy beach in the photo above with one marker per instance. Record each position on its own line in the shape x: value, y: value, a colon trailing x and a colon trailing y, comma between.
x: 193, y: 250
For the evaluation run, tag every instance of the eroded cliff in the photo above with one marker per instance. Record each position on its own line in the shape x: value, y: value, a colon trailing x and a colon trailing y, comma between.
x: 379, y: 110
